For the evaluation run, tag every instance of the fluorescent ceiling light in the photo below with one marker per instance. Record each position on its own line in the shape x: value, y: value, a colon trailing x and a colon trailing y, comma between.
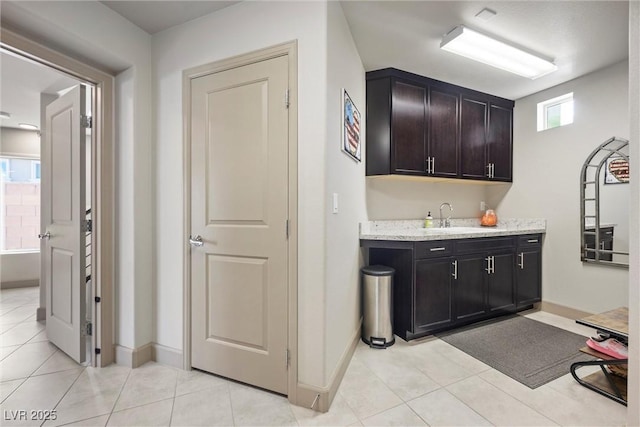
x: 474, y: 45
x: 28, y: 126
x: 4, y: 115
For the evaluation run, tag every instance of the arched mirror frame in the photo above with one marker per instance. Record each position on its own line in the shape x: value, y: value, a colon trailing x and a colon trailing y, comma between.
x: 590, y: 176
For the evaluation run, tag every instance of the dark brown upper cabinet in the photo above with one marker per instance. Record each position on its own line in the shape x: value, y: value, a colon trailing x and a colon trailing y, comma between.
x: 425, y: 127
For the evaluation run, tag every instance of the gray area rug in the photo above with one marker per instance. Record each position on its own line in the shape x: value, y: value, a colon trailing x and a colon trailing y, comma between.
x: 528, y: 351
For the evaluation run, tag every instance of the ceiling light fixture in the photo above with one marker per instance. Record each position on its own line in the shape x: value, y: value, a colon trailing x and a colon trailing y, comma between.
x: 4, y: 115
x: 28, y: 126
x: 479, y: 47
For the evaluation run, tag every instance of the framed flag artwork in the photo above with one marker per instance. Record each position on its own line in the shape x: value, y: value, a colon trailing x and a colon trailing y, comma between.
x: 351, y: 122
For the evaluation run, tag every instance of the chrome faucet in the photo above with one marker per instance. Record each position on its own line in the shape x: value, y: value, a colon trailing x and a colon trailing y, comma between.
x: 446, y: 223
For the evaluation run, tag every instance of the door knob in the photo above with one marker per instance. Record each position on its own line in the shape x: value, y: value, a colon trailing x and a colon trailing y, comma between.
x: 196, y: 241
x: 46, y: 235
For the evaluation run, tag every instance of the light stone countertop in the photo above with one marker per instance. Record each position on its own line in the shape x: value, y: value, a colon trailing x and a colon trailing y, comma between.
x: 462, y: 228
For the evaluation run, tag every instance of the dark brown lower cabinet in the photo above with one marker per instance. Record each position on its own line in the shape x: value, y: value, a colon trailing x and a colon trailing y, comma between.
x: 529, y: 271
x: 440, y: 285
x: 501, y: 289
x: 433, y: 294
x: 470, y: 287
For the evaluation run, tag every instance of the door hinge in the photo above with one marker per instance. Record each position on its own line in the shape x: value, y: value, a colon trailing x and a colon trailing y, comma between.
x: 88, y: 329
x: 97, y: 299
x: 86, y: 122
x: 287, y: 228
x: 87, y: 226
x: 97, y: 351
x: 286, y: 98
x: 288, y: 358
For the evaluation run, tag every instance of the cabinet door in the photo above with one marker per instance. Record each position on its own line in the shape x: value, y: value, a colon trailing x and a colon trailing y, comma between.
x: 433, y: 305
x: 469, y: 287
x: 408, y: 128
x: 473, y: 125
x: 443, y: 132
x: 501, y: 289
x: 499, y: 142
x: 529, y: 276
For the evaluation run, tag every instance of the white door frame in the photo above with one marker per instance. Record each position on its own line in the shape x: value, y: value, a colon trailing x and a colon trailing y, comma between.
x: 289, y: 49
x: 102, y: 182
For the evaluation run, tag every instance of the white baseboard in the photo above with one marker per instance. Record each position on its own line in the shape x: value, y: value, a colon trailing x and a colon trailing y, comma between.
x: 20, y: 284
x: 564, y: 311
x: 167, y: 356
x: 322, y: 397
x: 133, y: 358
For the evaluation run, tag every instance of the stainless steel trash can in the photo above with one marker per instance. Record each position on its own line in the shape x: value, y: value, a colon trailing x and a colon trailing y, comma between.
x: 377, y: 306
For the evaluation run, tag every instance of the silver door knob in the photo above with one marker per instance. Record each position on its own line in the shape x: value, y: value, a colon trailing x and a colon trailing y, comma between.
x: 196, y: 241
x: 46, y: 235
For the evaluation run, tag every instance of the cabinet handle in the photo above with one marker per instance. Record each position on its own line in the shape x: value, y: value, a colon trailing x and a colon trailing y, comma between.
x: 609, y: 233
x: 493, y: 170
x: 521, y: 263
x: 455, y: 269
x: 602, y: 245
x: 428, y: 164
x: 532, y: 241
x: 489, y: 170
x: 433, y: 165
x: 437, y: 249
x: 488, y: 269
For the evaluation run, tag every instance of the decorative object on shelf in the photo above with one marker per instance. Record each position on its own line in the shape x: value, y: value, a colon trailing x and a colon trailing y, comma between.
x: 616, y: 170
x: 351, y: 120
x: 489, y: 219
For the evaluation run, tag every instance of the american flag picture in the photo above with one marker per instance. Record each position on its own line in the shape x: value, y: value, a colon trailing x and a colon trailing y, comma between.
x: 351, y: 130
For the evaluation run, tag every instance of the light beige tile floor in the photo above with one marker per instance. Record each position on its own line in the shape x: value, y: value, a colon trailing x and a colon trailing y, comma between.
x: 425, y: 382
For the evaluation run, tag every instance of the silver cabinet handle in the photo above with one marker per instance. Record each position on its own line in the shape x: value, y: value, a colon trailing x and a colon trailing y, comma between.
x: 196, y: 241
x: 488, y: 269
x: 493, y: 170
x: 428, y: 164
x: 46, y: 235
x: 521, y: 262
x: 437, y: 249
x: 489, y: 170
x: 532, y: 241
x: 433, y: 165
x: 455, y: 269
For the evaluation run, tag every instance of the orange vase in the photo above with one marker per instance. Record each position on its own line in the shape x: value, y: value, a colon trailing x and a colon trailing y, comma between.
x: 489, y: 219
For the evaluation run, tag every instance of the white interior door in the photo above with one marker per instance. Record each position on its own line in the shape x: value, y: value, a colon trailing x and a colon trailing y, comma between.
x: 239, y: 182
x: 63, y: 254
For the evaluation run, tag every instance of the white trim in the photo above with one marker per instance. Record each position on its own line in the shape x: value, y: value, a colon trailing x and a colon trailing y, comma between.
x: 133, y: 358
x: 20, y: 284
x: 166, y: 355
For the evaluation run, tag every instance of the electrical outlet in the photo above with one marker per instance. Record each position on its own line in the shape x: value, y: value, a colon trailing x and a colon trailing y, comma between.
x: 483, y: 206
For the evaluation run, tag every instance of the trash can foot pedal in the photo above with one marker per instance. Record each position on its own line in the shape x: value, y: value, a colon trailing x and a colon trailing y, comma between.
x: 379, y: 342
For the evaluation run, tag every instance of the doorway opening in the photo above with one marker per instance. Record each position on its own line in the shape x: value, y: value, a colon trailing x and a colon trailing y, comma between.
x: 93, y: 196
x: 28, y: 188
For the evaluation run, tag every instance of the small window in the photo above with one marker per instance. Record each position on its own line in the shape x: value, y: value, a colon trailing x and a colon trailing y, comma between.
x: 555, y: 112
x: 19, y: 204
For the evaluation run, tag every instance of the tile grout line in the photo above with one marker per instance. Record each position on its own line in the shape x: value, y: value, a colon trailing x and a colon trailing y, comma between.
x: 118, y: 398
x: 66, y: 392
x: 173, y: 402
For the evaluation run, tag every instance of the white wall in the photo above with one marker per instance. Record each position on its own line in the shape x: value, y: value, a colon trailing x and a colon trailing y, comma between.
x: 411, y: 198
x: 345, y: 177
x: 546, y: 180
x: 238, y: 29
x: 19, y: 143
x: 95, y: 34
x: 633, y: 389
